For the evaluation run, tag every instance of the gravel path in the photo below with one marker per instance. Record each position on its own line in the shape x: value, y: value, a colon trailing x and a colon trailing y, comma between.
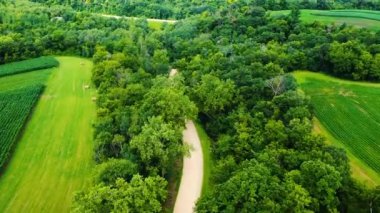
x: 192, y: 172
x: 148, y: 19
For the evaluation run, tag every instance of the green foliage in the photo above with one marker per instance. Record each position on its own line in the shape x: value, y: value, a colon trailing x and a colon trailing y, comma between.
x: 28, y: 65
x: 253, y: 188
x: 351, y: 60
x: 321, y: 181
x: 158, y: 145
x: 213, y: 95
x: 167, y: 99
x: 113, y: 169
x: 15, y: 107
x: 138, y: 195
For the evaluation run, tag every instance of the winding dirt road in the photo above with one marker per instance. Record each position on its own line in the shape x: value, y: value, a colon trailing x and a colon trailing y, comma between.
x: 148, y: 19
x: 192, y: 172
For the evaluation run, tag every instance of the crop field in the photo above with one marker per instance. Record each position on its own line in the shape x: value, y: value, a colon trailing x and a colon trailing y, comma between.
x: 28, y: 65
x: 359, y: 18
x: 15, y: 107
x: 53, y: 157
x: 23, y: 80
x: 348, y: 112
x: 18, y: 95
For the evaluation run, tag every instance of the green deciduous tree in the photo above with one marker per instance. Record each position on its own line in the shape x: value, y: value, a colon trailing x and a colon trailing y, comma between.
x: 213, y: 95
x: 138, y: 195
x: 108, y: 172
x: 158, y: 145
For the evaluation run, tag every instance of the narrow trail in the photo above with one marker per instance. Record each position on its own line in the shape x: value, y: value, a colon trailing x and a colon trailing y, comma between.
x: 192, y: 171
x: 148, y: 19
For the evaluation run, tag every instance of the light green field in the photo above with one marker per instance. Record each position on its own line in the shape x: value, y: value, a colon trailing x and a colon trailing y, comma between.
x: 348, y: 115
x: 54, y: 155
x: 359, y: 18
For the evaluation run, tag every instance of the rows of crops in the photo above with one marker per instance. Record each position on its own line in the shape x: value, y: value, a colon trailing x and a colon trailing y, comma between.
x: 15, y: 107
x: 364, y: 14
x: 358, y: 18
x: 350, y: 112
x: 28, y: 65
x: 13, y: 82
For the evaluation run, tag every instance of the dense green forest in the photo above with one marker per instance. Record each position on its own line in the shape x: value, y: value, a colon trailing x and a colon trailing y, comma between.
x: 266, y: 156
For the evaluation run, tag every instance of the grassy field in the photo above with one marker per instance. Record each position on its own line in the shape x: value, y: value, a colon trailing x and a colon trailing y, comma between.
x: 359, y: 18
x: 53, y: 158
x: 207, y: 158
x: 348, y: 115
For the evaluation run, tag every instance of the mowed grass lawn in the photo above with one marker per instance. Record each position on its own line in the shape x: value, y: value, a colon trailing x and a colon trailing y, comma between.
x: 53, y: 157
x: 348, y: 114
x: 359, y: 18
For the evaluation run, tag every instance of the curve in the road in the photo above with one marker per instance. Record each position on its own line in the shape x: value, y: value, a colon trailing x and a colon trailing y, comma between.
x: 148, y: 19
x: 192, y: 172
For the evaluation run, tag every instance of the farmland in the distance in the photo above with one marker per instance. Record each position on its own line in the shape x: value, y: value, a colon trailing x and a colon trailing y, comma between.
x: 348, y: 115
x: 358, y: 18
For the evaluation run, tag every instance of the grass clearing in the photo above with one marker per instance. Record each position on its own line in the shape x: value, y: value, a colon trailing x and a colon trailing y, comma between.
x: 155, y: 25
x: 359, y: 18
x: 349, y: 117
x: 207, y: 157
x: 53, y: 158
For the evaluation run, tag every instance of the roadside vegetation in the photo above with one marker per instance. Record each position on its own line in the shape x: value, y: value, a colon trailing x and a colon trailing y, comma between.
x: 207, y: 158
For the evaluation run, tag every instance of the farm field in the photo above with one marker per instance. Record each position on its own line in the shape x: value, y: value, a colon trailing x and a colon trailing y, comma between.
x: 15, y: 106
x: 28, y: 65
x: 19, y: 81
x: 359, y: 18
x: 18, y: 95
x: 53, y: 158
x: 348, y: 115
